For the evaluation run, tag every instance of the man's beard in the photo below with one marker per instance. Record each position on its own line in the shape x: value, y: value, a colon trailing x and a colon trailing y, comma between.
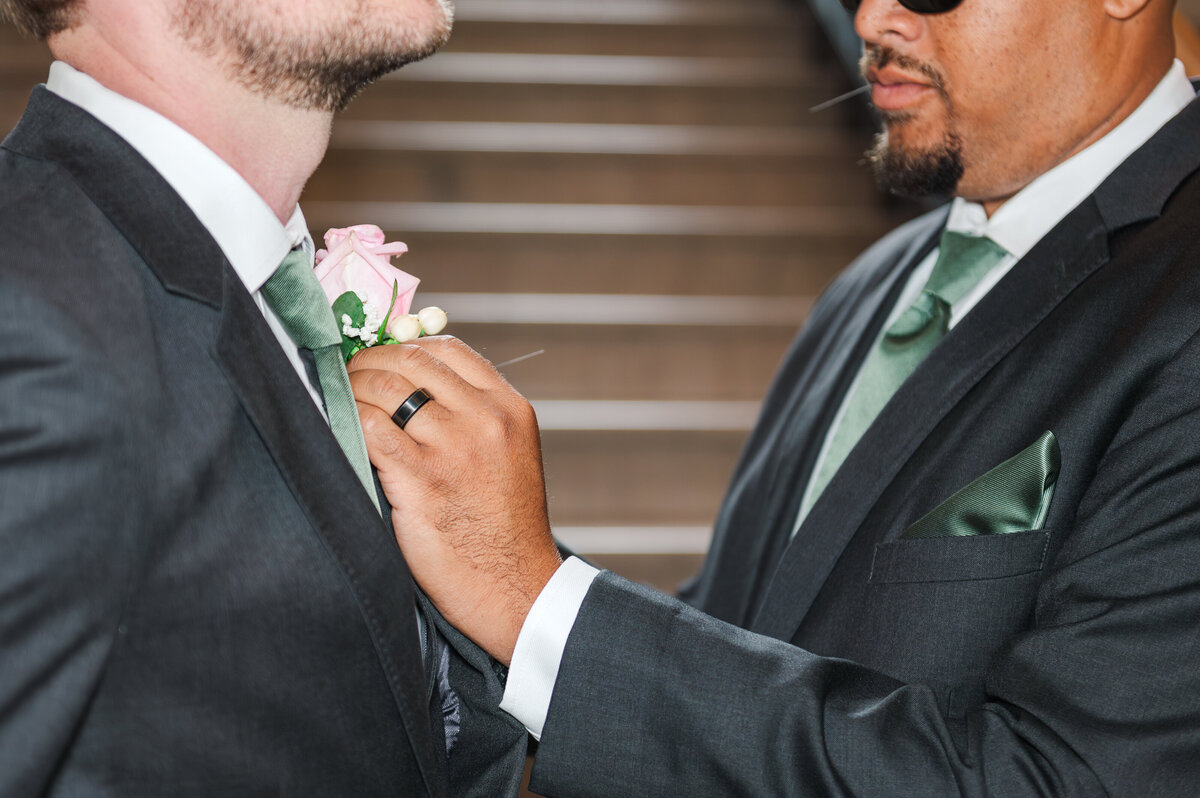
x: 909, y: 172
x: 920, y: 173
x: 305, y: 71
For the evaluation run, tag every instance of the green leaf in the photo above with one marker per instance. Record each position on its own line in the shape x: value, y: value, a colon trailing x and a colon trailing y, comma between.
x: 348, y: 304
x: 391, y: 307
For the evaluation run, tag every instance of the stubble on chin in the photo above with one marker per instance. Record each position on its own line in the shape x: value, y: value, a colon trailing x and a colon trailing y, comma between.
x: 303, y: 70
x: 914, y: 173
x: 906, y: 170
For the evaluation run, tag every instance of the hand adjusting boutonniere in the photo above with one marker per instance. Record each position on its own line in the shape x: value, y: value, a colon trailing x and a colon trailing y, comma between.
x: 370, y: 296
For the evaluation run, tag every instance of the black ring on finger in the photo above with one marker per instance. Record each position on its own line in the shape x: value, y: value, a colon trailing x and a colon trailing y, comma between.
x: 415, y: 401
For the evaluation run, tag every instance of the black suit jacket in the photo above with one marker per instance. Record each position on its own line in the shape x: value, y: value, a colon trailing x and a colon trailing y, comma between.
x: 196, y: 596
x: 1058, y: 661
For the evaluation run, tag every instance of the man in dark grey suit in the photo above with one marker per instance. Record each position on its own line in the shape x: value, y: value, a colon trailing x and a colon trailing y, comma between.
x: 197, y: 594
x: 961, y: 552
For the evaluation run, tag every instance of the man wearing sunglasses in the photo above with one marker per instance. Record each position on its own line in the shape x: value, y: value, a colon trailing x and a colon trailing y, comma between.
x: 961, y: 553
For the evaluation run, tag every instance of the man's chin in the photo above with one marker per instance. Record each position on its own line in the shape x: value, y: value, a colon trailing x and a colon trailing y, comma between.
x: 316, y: 67
x: 908, y: 171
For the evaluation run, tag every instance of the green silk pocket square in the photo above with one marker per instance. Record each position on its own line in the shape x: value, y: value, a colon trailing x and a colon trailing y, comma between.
x: 1012, y: 497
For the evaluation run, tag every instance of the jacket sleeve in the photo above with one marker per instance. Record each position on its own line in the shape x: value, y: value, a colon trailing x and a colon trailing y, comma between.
x: 485, y: 747
x: 66, y: 501
x: 1098, y: 695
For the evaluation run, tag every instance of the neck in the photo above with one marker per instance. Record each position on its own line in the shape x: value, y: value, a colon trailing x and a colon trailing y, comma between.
x: 273, y: 146
x: 1129, y: 102
x: 1088, y: 137
x: 1133, y: 60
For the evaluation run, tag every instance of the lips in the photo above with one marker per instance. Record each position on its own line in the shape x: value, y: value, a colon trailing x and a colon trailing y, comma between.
x: 894, y: 89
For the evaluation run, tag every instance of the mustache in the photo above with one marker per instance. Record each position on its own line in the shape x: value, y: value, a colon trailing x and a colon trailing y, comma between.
x: 877, y: 57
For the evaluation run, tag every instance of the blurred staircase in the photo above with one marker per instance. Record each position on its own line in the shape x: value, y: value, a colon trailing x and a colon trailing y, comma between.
x: 23, y: 64
x: 639, y: 188
x: 635, y: 186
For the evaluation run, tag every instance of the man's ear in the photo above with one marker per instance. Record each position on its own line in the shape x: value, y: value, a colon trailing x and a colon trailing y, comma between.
x: 1127, y: 9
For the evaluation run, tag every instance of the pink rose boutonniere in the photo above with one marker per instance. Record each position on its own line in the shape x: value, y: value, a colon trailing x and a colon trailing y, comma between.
x: 370, y: 296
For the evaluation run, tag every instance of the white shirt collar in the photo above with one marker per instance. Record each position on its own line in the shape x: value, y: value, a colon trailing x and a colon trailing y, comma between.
x: 241, y: 222
x: 1034, y: 211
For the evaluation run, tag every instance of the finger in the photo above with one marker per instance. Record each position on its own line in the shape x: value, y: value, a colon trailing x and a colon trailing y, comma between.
x: 387, y: 391
x: 391, y: 451
x: 420, y: 368
x: 379, y: 387
x: 465, y: 361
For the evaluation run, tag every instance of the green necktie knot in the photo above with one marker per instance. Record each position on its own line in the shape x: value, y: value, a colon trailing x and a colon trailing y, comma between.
x: 962, y: 262
x: 916, y: 320
x: 297, y: 298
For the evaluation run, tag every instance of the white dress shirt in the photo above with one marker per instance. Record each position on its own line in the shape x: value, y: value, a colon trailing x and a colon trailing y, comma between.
x: 239, y: 220
x: 1017, y: 226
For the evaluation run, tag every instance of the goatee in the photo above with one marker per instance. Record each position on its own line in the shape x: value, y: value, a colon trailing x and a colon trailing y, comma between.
x: 909, y: 172
x: 919, y: 173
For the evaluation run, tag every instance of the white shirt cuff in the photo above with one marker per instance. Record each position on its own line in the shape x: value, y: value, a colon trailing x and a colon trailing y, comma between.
x: 539, y: 650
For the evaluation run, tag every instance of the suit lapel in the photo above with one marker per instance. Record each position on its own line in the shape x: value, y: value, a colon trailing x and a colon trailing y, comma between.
x: 800, y: 439
x: 121, y: 183
x: 332, y: 497
x: 183, y: 256
x: 1010, y: 311
x: 756, y: 517
x: 1074, y: 249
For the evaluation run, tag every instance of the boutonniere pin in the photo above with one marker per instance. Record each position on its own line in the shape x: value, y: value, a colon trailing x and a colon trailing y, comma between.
x: 371, y: 297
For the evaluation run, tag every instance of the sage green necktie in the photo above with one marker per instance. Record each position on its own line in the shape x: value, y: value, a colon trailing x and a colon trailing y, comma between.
x: 298, y: 300
x: 961, y: 263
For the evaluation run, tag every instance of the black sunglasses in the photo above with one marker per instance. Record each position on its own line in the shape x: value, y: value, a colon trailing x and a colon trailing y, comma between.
x: 919, y: 6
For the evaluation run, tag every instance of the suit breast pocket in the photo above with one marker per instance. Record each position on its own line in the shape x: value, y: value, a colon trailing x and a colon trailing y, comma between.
x: 959, y: 559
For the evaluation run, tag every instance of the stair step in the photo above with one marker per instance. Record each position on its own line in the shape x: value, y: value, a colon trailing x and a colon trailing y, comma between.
x: 647, y: 369
x: 645, y: 164
x: 813, y: 222
x: 20, y: 58
x: 585, y: 178
x: 12, y: 105
x: 619, y: 478
x: 635, y: 364
x: 645, y: 415
x: 623, y: 12
x: 635, y: 539
x: 588, y: 103
x: 749, y: 38
x: 588, y: 139
x: 626, y: 347
x: 697, y: 265
x: 605, y: 70
x: 623, y: 309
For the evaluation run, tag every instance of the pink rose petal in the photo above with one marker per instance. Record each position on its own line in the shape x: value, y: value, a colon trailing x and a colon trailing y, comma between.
x: 358, y: 260
x: 369, y: 234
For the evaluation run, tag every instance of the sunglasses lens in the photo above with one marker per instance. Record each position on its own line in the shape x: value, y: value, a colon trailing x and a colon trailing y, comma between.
x: 930, y: 6
x: 919, y: 6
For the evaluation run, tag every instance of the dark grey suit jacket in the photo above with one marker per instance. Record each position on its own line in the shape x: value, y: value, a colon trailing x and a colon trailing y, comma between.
x: 1053, y: 662
x: 196, y: 596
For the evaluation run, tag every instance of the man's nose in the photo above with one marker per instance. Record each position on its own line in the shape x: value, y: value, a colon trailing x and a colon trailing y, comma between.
x: 878, y: 21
